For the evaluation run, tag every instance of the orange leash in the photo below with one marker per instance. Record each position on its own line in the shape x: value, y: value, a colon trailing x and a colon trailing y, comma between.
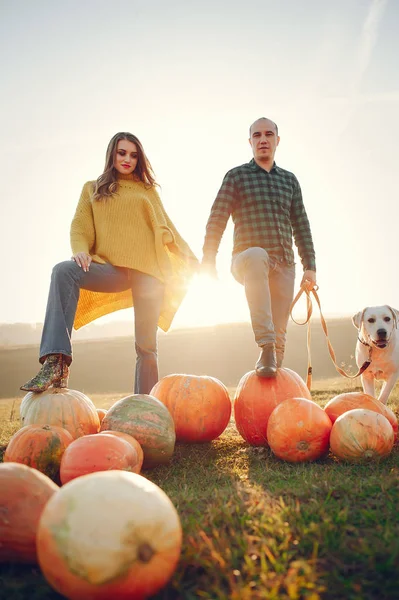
x: 309, y: 306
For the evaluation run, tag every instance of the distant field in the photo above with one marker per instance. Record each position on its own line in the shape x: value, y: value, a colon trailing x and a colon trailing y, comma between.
x: 225, y: 351
x: 258, y: 528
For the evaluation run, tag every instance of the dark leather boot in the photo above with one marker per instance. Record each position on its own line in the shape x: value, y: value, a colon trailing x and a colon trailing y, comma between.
x: 54, y: 371
x: 267, y: 362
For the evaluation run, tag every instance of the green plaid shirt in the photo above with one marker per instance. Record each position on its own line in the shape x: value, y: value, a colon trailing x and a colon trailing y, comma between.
x: 267, y: 211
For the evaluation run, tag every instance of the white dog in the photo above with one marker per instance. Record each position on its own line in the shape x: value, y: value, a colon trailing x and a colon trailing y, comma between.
x: 378, y: 341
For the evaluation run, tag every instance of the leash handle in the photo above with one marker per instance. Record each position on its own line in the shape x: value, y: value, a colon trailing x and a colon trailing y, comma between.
x: 305, y: 290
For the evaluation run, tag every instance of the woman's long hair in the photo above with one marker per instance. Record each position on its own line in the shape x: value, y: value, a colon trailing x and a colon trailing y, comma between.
x: 107, y: 184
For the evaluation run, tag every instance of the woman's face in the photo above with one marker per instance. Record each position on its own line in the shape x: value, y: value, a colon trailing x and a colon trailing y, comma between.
x: 126, y: 157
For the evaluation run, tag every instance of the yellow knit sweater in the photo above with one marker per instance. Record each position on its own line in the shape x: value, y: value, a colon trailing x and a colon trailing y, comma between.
x: 130, y: 229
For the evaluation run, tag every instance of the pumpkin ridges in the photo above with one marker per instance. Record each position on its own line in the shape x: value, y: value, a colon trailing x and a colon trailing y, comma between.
x: 359, y: 434
x: 298, y: 430
x: 200, y: 405
x: 39, y: 446
x: 62, y: 407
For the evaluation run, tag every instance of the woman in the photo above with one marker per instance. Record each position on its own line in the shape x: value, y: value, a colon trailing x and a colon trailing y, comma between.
x: 126, y: 252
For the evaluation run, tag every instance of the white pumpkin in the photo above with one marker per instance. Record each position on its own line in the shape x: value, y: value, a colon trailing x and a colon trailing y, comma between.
x: 110, y: 534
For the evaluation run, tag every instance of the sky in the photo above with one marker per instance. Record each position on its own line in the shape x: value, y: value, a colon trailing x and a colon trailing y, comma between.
x: 188, y: 78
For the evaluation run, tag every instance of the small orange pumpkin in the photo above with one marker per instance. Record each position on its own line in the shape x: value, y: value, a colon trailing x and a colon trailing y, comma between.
x: 63, y: 407
x: 109, y: 535
x: 40, y: 447
x: 361, y: 435
x: 24, y: 494
x: 200, y: 406
x: 101, y: 413
x: 97, y: 452
x: 340, y: 404
x: 298, y: 430
x: 256, y: 397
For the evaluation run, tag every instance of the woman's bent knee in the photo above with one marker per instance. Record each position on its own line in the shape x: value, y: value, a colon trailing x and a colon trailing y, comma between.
x: 65, y: 268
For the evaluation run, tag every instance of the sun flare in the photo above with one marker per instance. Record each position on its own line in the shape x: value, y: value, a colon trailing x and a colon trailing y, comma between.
x: 211, y: 301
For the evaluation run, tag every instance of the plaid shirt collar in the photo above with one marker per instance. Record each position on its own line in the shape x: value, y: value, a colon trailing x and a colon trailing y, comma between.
x: 255, y: 167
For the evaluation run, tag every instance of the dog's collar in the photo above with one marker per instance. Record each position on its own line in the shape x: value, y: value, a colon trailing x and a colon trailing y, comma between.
x: 363, y: 342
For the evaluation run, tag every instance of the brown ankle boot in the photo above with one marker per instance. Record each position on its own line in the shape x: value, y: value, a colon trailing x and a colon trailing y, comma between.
x: 267, y: 362
x: 54, y: 371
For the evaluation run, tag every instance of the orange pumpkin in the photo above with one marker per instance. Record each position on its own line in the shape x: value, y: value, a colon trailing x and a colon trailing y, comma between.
x: 360, y: 435
x: 40, y: 447
x: 101, y: 413
x: 298, y: 430
x: 148, y: 421
x: 109, y: 535
x: 65, y: 408
x: 200, y: 406
x: 340, y: 404
x: 256, y: 398
x: 24, y: 493
x: 97, y: 452
x: 133, y: 442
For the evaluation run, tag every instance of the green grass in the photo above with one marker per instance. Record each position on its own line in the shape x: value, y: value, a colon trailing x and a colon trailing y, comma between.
x: 256, y: 527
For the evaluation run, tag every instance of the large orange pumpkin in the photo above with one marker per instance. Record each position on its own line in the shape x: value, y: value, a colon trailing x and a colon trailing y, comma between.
x: 109, y: 535
x: 97, y: 452
x: 133, y: 442
x: 66, y: 408
x: 360, y: 435
x: 24, y: 492
x: 298, y: 430
x: 200, y: 406
x: 340, y: 404
x: 40, y: 447
x: 148, y: 421
x: 256, y: 398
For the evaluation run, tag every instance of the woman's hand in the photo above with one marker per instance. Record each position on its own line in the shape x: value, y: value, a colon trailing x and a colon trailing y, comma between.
x: 83, y: 260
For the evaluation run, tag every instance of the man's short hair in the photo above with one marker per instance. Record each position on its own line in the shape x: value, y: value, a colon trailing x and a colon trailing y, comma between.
x: 265, y: 119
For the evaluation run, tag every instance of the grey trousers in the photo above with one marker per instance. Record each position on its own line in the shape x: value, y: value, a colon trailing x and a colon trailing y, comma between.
x: 66, y: 281
x: 269, y: 288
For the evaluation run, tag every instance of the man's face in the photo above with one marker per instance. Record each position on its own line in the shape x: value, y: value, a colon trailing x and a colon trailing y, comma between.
x: 264, y: 140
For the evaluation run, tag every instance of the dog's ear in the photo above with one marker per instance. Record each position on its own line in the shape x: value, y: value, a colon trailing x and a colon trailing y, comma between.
x: 357, y: 319
x: 395, y: 313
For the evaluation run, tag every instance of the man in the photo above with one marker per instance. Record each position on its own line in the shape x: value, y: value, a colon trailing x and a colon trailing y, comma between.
x: 266, y: 206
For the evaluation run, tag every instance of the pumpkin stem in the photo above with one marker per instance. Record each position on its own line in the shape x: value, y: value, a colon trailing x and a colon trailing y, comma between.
x: 369, y: 453
x: 145, y: 553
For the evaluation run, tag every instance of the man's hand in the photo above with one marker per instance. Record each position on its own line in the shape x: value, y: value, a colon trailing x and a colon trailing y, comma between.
x: 208, y: 267
x: 309, y: 279
x: 83, y: 260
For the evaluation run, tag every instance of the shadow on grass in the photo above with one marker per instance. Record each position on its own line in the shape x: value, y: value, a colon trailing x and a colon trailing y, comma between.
x: 23, y: 582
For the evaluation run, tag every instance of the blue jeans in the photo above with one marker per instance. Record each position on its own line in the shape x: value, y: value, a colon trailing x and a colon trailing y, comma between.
x: 269, y: 288
x: 66, y: 281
